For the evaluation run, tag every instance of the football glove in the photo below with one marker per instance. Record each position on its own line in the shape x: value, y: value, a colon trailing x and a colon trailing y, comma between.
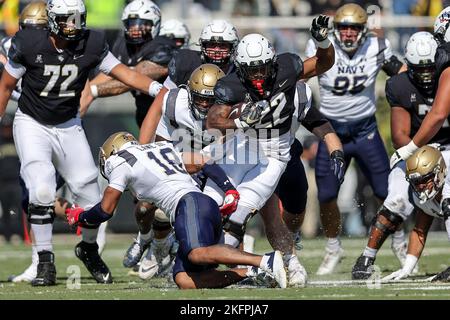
x: 230, y: 203
x: 73, y: 214
x: 252, y: 113
x: 319, y: 30
x: 397, y: 275
x: 338, y: 165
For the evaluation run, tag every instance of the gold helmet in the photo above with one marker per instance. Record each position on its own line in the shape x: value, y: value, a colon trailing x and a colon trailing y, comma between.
x: 350, y: 26
x: 426, y: 171
x: 115, y: 143
x: 34, y: 15
x: 201, y: 88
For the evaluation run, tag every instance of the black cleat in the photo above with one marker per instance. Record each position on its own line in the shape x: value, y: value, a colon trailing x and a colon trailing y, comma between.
x: 46, y: 271
x: 88, y: 253
x: 363, y: 268
x: 443, y: 276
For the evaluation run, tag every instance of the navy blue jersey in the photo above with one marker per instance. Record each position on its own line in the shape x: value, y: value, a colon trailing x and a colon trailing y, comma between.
x: 401, y: 92
x: 54, y: 80
x: 183, y: 63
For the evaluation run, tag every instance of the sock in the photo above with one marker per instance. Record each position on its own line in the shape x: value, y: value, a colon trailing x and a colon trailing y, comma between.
x: 333, y: 244
x: 369, y: 252
x: 230, y: 240
x: 398, y: 238
x: 34, y: 255
x: 43, y: 236
x: 89, y: 235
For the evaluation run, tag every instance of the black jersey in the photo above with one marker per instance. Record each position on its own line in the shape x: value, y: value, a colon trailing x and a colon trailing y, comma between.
x: 401, y: 92
x: 183, y: 63
x: 230, y: 90
x: 54, y: 80
x: 442, y: 58
x: 159, y: 50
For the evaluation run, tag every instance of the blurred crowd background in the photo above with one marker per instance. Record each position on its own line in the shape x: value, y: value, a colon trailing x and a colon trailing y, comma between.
x: 286, y: 23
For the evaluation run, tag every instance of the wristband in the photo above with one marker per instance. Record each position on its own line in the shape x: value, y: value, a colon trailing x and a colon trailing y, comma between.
x: 94, y: 91
x: 325, y: 44
x: 154, y: 88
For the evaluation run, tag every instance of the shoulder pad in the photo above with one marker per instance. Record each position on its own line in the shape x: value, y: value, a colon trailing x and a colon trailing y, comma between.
x: 170, y: 106
x: 229, y: 90
x: 161, y: 51
x: 184, y: 61
x: 291, y: 61
x: 5, y: 44
x: 442, y: 59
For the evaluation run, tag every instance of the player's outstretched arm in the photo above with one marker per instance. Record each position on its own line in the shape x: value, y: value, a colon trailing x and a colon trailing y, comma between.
x: 152, y: 118
x: 135, y: 80
x: 7, y: 85
x: 438, y: 114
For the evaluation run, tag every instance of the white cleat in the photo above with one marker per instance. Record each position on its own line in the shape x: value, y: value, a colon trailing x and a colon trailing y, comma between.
x: 274, y: 265
x: 330, y: 262
x: 400, y: 252
x: 27, y: 276
x: 149, y: 266
x: 297, y: 276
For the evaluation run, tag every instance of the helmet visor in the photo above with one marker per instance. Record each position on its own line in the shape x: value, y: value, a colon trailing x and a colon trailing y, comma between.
x: 138, y: 30
x: 423, y: 74
x: 217, y: 51
x: 71, y: 26
x: 202, y: 103
x: 258, y: 72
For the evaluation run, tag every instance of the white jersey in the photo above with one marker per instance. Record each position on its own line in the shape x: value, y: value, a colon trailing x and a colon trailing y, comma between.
x: 153, y: 172
x: 302, y: 104
x: 179, y: 125
x: 347, y: 90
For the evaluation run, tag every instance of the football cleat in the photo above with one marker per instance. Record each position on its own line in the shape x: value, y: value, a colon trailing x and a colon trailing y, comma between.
x: 330, y: 262
x: 135, y: 252
x: 259, y: 278
x: 363, y: 268
x: 46, y: 271
x: 88, y: 254
x: 443, y: 276
x: 27, y: 276
x: 273, y: 264
x: 297, y: 276
x: 149, y: 266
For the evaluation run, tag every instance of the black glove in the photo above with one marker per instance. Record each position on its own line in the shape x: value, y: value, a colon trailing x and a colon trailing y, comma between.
x: 338, y: 165
x: 252, y: 113
x: 319, y: 28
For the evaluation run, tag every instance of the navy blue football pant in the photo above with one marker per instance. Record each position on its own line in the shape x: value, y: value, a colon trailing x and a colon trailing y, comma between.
x: 198, y: 223
x: 361, y: 141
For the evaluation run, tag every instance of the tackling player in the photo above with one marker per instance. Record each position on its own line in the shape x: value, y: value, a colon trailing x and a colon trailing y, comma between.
x: 155, y: 172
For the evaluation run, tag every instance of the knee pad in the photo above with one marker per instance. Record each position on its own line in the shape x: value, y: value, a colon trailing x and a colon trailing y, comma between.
x: 161, y: 222
x: 41, y: 214
x: 236, y: 229
x: 44, y: 194
x: 394, y: 221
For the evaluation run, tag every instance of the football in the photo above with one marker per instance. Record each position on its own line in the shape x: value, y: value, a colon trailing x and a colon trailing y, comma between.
x: 236, y: 111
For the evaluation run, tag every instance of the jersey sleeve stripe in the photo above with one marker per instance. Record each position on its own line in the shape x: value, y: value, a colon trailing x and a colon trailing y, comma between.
x: 15, y: 69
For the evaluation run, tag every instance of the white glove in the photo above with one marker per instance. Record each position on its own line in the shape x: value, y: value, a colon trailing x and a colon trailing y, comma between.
x: 406, y: 271
x: 403, y: 153
x: 252, y: 113
x: 154, y: 88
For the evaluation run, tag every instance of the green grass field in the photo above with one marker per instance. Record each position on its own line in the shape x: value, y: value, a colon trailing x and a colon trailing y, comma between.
x: 15, y: 258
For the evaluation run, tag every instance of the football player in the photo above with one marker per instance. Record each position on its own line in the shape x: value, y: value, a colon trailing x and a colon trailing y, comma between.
x: 156, y: 172
x: 267, y: 83
x: 438, y: 115
x: 410, y: 95
x: 426, y: 171
x: 54, y: 66
x: 347, y: 93
x: 176, y: 30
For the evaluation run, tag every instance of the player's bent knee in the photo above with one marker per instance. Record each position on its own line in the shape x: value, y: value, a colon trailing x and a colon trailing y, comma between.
x: 161, y: 221
x: 198, y: 255
x: 144, y: 210
x: 44, y: 195
x: 183, y: 281
x: 387, y: 221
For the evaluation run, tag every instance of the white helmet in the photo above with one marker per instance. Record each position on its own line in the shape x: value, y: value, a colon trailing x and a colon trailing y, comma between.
x: 176, y: 30
x: 441, y: 29
x: 218, y: 41
x: 67, y: 18
x: 142, y: 21
x: 255, y: 60
x: 420, y: 52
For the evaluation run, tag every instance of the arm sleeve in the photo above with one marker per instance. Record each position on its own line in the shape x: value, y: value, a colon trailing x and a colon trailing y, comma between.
x: 120, y: 177
x: 108, y: 63
x: 311, y: 49
x: 15, y: 69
